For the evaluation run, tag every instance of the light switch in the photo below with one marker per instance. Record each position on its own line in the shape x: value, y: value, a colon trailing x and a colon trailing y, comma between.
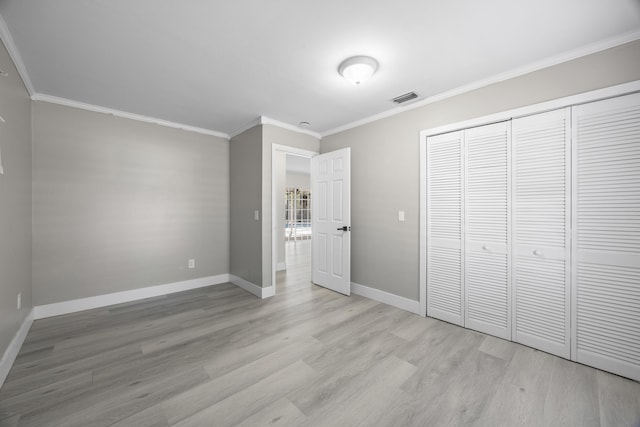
x: 400, y: 215
x: 256, y: 215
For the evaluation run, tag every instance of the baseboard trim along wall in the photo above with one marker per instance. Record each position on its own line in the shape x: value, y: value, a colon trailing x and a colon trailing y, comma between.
x: 385, y: 297
x: 66, y: 307
x: 11, y: 352
x: 252, y: 288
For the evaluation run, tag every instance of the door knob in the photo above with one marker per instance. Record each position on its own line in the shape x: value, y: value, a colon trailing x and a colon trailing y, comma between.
x: 344, y: 228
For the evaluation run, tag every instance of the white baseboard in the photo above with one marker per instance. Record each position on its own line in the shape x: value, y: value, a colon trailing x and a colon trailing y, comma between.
x: 82, y: 304
x: 386, y: 298
x: 11, y: 352
x: 281, y: 266
x: 252, y: 288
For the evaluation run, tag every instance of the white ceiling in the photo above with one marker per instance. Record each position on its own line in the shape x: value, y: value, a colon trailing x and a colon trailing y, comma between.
x: 219, y: 65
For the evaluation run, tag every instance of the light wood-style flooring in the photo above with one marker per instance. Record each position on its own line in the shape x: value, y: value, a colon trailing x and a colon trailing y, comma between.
x: 218, y: 356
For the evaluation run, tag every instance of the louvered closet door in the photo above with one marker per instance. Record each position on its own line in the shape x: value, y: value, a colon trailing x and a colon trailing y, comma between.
x: 486, y: 266
x: 541, y: 210
x: 444, y: 227
x: 606, y: 258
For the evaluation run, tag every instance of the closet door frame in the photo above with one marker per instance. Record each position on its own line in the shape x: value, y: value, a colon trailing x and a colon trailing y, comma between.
x: 595, y: 95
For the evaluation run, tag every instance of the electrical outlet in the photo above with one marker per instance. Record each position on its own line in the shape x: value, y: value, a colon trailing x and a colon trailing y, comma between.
x: 400, y: 215
x: 192, y: 263
x: 19, y: 301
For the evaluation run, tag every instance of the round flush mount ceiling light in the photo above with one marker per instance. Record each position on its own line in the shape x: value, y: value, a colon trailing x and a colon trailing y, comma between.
x: 358, y: 69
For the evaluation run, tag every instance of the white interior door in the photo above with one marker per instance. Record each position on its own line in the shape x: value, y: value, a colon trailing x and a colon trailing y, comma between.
x: 445, y: 243
x: 606, y: 239
x: 541, y: 213
x: 331, y: 220
x: 487, y: 223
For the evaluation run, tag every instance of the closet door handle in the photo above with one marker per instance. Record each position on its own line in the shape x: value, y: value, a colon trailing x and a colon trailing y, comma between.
x: 537, y: 252
x: 485, y: 248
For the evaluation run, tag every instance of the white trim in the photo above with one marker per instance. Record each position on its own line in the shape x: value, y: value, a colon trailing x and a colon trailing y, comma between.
x: 516, y: 72
x: 7, y: 39
x: 12, y: 351
x: 262, y: 120
x: 393, y: 300
x: 252, y: 288
x: 267, y: 121
x: 422, y: 250
x: 65, y: 307
x: 281, y: 266
x: 251, y: 124
x: 124, y: 114
x: 274, y: 250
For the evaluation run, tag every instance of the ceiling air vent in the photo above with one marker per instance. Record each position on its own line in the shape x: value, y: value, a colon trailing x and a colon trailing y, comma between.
x: 404, y: 98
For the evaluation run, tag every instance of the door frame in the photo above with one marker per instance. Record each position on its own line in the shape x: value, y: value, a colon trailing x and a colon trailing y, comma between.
x: 274, y: 225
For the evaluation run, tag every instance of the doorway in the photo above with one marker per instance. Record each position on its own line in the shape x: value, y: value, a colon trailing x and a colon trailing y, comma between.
x: 291, y: 218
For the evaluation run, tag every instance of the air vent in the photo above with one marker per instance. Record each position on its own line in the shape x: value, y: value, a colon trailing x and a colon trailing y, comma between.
x: 404, y: 98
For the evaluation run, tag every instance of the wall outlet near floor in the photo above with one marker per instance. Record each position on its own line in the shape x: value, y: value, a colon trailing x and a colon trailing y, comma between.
x: 19, y: 301
x: 192, y: 263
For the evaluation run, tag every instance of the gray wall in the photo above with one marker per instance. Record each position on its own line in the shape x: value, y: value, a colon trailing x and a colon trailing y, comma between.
x: 385, y: 160
x: 246, y: 197
x: 15, y: 201
x: 120, y: 204
x: 276, y: 135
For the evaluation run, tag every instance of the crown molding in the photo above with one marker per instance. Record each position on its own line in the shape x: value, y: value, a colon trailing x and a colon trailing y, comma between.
x: 516, y: 72
x: 125, y: 115
x: 263, y: 120
x: 267, y: 121
x: 5, y: 35
x: 246, y: 127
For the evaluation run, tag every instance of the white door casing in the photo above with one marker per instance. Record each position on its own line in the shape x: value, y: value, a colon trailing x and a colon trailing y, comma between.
x: 331, y: 220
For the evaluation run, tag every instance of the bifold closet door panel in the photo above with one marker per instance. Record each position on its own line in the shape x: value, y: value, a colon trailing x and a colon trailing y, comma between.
x: 487, y: 214
x: 541, y: 231
x: 444, y: 227
x: 606, y: 257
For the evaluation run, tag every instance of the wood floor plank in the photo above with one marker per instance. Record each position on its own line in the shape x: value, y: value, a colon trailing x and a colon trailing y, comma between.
x: 521, y: 396
x: 10, y: 422
x: 221, y: 387
x: 239, y: 406
x: 149, y: 417
x: 282, y: 413
x: 346, y: 404
x: 112, y: 405
x: 619, y: 400
x: 573, y: 395
x: 47, y: 396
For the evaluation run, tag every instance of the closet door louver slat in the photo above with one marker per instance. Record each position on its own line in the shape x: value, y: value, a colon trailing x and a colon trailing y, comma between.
x: 444, y: 230
x: 541, y: 162
x: 487, y: 212
x: 606, y: 265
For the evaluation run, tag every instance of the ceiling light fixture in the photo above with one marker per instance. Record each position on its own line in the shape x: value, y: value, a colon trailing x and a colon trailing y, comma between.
x: 358, y: 69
